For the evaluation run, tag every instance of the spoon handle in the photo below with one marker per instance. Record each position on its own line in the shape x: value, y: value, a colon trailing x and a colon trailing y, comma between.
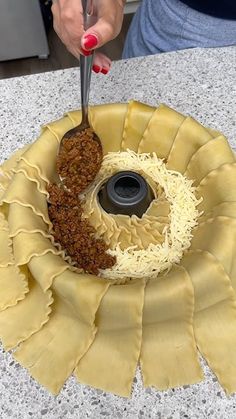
x: 85, y: 77
x: 86, y: 64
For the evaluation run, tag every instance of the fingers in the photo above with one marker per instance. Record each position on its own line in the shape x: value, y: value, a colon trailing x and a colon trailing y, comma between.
x: 69, y: 26
x: 68, y: 23
x: 101, y: 63
x: 107, y: 27
x: 99, y: 34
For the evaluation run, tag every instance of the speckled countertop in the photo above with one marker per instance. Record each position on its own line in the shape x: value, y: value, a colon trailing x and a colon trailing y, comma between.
x: 201, y: 83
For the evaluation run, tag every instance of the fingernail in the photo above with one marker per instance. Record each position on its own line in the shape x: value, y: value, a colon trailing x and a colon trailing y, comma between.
x: 96, y: 68
x: 86, y: 53
x: 104, y: 70
x: 90, y: 41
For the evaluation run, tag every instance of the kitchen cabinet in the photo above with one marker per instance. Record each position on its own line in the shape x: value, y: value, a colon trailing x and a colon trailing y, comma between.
x: 22, y: 32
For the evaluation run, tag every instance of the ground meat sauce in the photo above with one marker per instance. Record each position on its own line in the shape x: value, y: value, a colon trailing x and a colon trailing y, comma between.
x: 79, y: 162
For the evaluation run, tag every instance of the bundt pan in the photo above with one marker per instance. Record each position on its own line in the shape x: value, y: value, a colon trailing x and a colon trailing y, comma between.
x: 58, y: 321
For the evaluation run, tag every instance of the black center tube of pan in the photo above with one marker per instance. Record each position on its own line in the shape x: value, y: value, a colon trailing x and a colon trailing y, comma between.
x: 126, y: 193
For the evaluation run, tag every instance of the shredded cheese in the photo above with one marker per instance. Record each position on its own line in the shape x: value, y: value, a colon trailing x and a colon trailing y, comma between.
x: 183, y: 215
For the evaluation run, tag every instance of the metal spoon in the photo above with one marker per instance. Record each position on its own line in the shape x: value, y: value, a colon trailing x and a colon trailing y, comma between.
x: 85, y: 78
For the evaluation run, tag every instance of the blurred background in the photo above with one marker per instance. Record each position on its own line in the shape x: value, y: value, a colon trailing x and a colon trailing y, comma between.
x: 29, y: 45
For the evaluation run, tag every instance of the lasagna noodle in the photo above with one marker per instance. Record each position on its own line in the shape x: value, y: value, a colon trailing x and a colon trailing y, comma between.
x: 169, y: 355
x: 13, y: 280
x: 111, y: 361
x: 208, y: 157
x: 13, y: 286
x: 53, y: 352
x: 218, y: 186
x: 190, y: 137
x: 218, y: 237
x: 20, y: 321
x: 53, y: 265
x: 161, y: 132
x: 136, y: 121
x: 214, y: 315
x: 25, y: 192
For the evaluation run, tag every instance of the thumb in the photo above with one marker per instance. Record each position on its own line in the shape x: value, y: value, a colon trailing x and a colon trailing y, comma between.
x: 99, y: 34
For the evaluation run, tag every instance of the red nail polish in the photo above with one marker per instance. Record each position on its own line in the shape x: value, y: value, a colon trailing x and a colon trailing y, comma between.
x: 90, y: 41
x: 86, y: 53
x: 96, y: 68
x: 104, y: 70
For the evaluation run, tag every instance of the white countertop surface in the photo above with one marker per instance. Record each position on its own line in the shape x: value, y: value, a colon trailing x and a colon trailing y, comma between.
x: 200, y: 83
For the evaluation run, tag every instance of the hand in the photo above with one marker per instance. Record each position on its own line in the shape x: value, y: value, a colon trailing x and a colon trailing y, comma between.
x: 68, y: 24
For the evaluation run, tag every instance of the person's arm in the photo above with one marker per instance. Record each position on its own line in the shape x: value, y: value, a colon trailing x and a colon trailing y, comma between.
x: 68, y: 24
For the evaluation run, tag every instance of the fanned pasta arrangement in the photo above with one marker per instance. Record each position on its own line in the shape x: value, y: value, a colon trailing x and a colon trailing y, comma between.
x: 163, y: 287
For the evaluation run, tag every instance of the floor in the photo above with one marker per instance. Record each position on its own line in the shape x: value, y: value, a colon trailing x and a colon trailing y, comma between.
x: 59, y: 57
